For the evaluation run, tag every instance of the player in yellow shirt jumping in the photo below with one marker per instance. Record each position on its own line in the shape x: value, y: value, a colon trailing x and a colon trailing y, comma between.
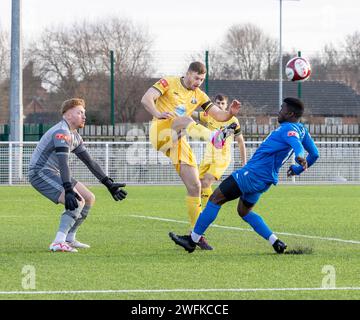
x: 216, y: 161
x: 172, y: 101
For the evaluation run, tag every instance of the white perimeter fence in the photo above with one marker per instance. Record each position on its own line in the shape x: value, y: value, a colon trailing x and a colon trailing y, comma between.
x: 138, y: 163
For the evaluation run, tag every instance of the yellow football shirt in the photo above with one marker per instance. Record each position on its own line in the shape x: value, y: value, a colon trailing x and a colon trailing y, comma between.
x: 176, y: 98
x: 182, y: 101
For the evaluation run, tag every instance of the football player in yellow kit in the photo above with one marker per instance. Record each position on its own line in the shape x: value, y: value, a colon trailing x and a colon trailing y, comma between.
x: 216, y: 161
x: 171, y: 101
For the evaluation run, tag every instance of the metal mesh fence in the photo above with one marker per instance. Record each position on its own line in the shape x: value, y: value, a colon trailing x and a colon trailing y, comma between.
x: 138, y: 163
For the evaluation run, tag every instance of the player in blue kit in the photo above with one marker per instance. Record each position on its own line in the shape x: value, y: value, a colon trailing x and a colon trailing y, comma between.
x: 256, y: 177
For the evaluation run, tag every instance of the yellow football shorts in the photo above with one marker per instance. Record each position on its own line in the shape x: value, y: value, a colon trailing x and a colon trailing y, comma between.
x: 161, y: 138
x: 215, y: 162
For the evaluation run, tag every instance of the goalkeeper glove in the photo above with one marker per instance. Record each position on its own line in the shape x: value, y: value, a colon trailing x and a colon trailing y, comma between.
x: 71, y: 197
x: 114, y: 188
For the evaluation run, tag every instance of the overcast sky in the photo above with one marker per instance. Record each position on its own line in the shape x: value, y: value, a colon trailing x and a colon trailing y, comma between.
x: 199, y: 24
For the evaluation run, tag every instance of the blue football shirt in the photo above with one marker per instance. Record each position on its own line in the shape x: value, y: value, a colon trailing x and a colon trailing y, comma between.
x: 278, y: 147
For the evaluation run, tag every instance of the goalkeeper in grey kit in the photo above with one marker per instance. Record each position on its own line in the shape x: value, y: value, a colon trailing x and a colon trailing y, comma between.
x: 49, y: 173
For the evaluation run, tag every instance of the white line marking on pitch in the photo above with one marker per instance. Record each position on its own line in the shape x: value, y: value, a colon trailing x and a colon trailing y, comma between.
x: 176, y: 290
x: 250, y: 230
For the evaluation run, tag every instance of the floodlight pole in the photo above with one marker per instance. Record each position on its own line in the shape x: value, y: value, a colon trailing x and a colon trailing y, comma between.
x: 299, y: 83
x: 280, y: 57
x: 16, y: 89
x: 207, y: 72
x: 280, y: 60
x: 16, y: 85
x: 112, y: 89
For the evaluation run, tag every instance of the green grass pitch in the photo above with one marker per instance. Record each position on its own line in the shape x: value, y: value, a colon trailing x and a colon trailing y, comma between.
x: 132, y: 252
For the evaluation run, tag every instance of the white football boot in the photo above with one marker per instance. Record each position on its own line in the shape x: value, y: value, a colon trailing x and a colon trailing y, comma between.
x: 78, y: 244
x: 62, y: 247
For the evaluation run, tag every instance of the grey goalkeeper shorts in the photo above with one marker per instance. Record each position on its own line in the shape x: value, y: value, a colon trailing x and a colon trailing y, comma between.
x: 48, y: 183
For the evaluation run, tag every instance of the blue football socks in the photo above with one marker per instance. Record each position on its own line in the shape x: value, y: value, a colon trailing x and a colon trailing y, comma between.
x: 258, y: 225
x: 206, y: 217
x: 210, y: 213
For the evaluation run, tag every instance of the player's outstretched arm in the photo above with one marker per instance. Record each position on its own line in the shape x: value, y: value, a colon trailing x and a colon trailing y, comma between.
x: 295, y: 170
x: 223, y: 116
x: 242, y: 148
x: 311, y: 148
x: 91, y: 164
x: 313, y: 155
x: 148, y: 101
x: 114, y: 188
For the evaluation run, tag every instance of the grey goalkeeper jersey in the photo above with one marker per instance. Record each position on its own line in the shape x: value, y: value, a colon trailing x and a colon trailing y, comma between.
x: 57, y: 137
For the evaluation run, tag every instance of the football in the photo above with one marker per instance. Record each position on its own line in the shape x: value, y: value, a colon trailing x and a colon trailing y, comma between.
x: 298, y: 69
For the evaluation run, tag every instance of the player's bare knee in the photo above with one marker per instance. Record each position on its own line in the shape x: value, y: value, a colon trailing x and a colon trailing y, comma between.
x: 90, y: 199
x: 217, y: 197
x: 181, y: 123
x: 241, y: 213
x: 82, y: 201
x: 206, y: 182
x: 242, y: 209
x: 194, y: 188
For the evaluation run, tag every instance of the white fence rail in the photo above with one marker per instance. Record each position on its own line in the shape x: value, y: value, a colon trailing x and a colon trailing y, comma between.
x: 138, y: 163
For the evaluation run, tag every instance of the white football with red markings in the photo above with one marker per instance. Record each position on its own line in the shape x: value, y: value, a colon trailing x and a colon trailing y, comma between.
x: 298, y: 69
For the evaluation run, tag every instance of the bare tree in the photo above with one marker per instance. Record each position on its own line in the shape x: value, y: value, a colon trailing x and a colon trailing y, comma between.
x: 75, y: 60
x: 217, y: 64
x: 4, y: 76
x: 352, y: 49
x: 54, y: 59
x: 4, y: 55
x: 339, y: 62
x: 248, y: 53
x: 352, y: 60
x: 327, y: 65
x: 131, y: 45
x: 245, y: 53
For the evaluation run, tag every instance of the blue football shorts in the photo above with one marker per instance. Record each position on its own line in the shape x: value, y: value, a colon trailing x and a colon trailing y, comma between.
x: 250, y: 186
